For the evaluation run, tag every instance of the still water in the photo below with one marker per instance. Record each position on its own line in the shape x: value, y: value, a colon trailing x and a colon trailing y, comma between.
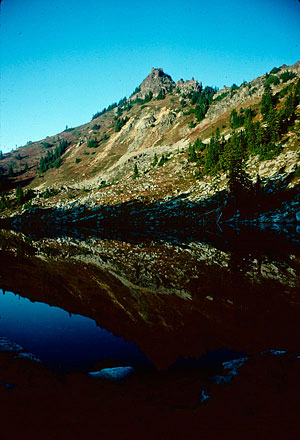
x: 62, y: 340
x: 172, y: 296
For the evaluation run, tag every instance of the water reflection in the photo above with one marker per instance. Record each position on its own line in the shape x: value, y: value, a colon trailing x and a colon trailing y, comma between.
x: 62, y: 340
x: 171, y: 293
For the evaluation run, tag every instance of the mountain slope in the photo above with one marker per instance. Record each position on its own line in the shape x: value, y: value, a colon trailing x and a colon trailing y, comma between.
x: 162, y: 141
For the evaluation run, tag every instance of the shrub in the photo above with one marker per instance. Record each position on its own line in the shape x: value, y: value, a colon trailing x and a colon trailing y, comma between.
x: 274, y: 70
x: 104, y: 138
x: 284, y: 91
x: 103, y: 185
x: 287, y: 75
x: 271, y: 79
x: 96, y: 127
x: 252, y: 91
x: 92, y: 143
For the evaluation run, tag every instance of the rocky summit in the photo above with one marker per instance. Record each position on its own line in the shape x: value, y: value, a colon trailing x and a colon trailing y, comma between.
x: 155, y: 83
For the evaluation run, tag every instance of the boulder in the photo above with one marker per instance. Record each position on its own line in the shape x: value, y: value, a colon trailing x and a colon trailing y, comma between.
x: 114, y: 374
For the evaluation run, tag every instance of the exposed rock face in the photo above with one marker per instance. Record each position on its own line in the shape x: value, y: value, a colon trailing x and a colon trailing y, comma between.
x: 188, y: 86
x: 157, y: 81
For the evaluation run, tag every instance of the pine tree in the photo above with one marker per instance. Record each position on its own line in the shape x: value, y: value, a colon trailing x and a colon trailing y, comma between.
x: 135, y: 171
x: 155, y: 160
x: 192, y: 153
x: 19, y: 195
x: 267, y: 102
x: 251, y: 135
x: 239, y: 181
x: 10, y: 171
x: 287, y: 114
x: 162, y: 161
x: 273, y: 124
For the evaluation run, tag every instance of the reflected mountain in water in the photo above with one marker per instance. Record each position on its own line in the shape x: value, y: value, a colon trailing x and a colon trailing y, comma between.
x: 63, y: 341
x: 171, y: 296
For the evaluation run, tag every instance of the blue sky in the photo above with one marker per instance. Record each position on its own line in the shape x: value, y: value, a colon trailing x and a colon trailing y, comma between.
x: 62, y: 61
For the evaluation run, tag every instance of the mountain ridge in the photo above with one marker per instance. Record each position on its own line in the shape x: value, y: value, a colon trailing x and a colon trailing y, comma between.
x: 142, y: 146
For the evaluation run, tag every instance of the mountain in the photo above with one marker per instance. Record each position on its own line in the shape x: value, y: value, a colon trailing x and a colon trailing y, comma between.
x: 171, y: 142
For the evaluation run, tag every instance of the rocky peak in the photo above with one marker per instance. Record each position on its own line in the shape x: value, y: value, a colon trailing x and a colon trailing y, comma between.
x: 157, y: 81
x: 188, y: 86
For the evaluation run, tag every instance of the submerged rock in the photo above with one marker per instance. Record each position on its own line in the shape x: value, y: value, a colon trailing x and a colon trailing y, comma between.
x: 203, y: 397
x: 7, y: 346
x: 9, y: 386
x: 116, y: 373
x: 29, y: 356
x: 277, y: 352
x: 233, y: 367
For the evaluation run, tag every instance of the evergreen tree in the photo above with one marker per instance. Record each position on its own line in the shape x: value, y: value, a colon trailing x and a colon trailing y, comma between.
x: 251, y: 135
x: 287, y: 114
x: 162, y: 161
x: 213, y: 153
x: 120, y: 122
x: 267, y: 102
x: 161, y: 95
x: 273, y: 124
x: 297, y: 92
x: 239, y: 182
x: 237, y: 119
x: 192, y: 156
x: 10, y: 171
x: 135, y: 171
x: 199, y: 145
x: 155, y: 160
x: 19, y: 195
x: 53, y: 158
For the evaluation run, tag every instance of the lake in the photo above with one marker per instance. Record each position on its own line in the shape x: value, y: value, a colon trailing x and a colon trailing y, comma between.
x: 81, y: 299
x: 62, y: 340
